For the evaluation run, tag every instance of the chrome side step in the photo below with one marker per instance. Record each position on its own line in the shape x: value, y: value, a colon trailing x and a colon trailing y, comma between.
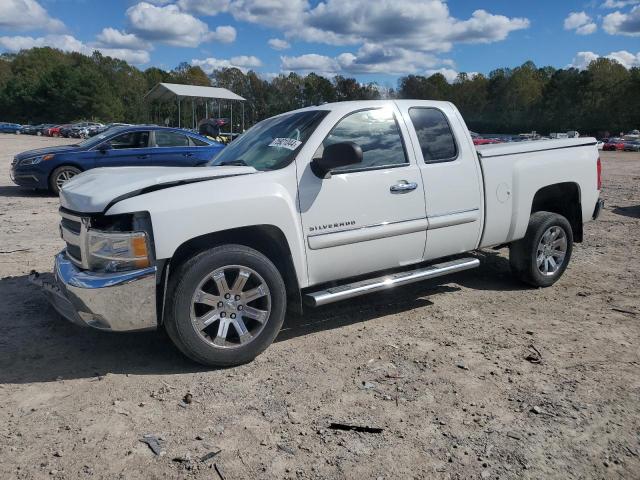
x: 371, y: 285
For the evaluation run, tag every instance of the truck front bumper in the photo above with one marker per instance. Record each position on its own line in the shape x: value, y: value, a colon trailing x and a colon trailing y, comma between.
x: 119, y: 302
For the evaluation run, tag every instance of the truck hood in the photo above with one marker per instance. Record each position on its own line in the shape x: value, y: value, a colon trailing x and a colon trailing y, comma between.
x: 96, y: 190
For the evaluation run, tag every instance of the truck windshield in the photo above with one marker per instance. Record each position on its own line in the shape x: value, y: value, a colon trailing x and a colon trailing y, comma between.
x: 272, y: 143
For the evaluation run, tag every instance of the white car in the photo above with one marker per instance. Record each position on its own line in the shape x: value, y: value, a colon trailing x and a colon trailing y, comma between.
x: 309, y: 207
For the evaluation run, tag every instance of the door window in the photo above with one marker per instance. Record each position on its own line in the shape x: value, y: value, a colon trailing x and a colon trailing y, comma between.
x: 376, y: 132
x: 171, y: 139
x: 196, y: 142
x: 130, y: 140
x: 434, y: 134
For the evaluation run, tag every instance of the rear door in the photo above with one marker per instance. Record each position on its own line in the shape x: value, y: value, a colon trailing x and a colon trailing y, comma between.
x: 173, y: 149
x: 451, y: 174
x: 126, y: 150
x: 369, y: 216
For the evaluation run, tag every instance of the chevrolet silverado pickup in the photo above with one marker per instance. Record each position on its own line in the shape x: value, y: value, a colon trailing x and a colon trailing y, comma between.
x: 307, y: 208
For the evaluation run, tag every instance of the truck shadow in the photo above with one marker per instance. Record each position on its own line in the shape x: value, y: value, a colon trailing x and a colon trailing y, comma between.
x: 39, y: 346
x: 21, y: 192
x: 630, y: 211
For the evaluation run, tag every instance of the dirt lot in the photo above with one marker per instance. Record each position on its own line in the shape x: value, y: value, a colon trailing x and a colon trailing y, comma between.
x: 440, y: 367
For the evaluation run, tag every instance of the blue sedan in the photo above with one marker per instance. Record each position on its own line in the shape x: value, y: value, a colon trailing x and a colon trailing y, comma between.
x: 49, y: 168
x: 10, y: 127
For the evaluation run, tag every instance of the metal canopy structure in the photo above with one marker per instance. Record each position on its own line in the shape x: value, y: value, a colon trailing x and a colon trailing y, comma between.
x: 167, y: 92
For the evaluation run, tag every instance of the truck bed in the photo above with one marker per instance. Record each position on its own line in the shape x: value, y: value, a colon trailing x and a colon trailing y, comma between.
x: 498, y: 149
x: 514, y: 172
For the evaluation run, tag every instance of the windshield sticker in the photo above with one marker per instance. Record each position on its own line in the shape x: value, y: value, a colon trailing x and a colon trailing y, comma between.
x: 288, y: 143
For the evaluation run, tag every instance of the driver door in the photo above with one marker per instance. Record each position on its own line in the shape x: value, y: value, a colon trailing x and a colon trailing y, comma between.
x: 369, y: 216
x: 126, y: 150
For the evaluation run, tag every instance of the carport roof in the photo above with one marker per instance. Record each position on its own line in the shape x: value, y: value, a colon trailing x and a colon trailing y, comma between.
x: 167, y: 91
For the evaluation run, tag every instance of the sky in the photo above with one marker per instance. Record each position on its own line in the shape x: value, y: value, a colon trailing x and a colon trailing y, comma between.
x: 371, y: 40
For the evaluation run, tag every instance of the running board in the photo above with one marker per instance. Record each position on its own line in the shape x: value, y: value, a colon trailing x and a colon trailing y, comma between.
x: 342, y: 292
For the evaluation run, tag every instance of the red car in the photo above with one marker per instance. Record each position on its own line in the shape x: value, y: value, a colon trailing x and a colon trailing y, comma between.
x: 485, y: 141
x: 54, y: 131
x: 613, y: 144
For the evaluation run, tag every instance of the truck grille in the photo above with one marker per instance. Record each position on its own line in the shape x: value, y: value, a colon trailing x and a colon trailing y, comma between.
x: 73, y: 230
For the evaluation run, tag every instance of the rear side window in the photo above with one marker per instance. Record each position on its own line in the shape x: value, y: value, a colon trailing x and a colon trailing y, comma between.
x: 171, y: 139
x: 377, y: 133
x: 434, y: 134
x: 198, y: 143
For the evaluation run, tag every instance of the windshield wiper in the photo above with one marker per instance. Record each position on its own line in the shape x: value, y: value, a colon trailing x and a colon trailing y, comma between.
x: 237, y: 163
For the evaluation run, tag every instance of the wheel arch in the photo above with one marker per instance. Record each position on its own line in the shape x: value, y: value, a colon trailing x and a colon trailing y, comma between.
x: 266, y: 239
x: 564, y: 199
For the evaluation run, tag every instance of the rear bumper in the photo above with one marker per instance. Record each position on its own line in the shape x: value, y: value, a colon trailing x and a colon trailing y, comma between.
x: 598, y: 209
x: 118, y: 302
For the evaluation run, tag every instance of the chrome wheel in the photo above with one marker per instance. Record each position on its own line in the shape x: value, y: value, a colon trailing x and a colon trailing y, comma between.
x: 551, y: 251
x: 230, y: 306
x: 64, y: 176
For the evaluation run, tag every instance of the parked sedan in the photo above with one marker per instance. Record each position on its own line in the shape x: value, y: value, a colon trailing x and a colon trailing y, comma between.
x: 10, y: 127
x: 613, y: 144
x: 36, y: 129
x: 632, y: 146
x: 49, y: 168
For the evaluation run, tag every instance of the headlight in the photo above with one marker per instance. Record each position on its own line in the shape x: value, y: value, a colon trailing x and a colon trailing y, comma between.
x: 115, y: 252
x: 35, y: 160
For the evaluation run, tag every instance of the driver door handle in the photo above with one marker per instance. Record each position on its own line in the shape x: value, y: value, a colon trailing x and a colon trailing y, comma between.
x: 142, y: 157
x: 403, y: 187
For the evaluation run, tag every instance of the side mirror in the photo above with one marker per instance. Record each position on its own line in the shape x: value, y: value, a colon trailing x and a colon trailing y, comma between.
x: 335, y: 156
x: 104, y: 147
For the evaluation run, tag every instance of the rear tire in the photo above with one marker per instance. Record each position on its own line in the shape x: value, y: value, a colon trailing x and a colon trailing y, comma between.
x: 60, y: 176
x: 225, y: 305
x: 542, y: 256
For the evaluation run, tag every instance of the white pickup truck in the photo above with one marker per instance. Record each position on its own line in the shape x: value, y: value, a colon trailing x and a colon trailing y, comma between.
x: 311, y: 207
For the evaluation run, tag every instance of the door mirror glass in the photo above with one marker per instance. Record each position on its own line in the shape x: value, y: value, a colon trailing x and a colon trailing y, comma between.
x: 336, y: 155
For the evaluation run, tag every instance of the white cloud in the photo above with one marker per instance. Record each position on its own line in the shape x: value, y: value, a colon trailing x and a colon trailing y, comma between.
x: 271, y: 13
x: 425, y: 26
x: 204, y: 7
x: 618, y: 23
x: 448, y: 73
x: 627, y: 59
x: 370, y: 58
x: 27, y: 15
x: 69, y: 43
x: 171, y: 26
x: 310, y: 62
x: 242, y: 62
x: 110, y: 37
x: 278, y: 44
x: 619, y: 3
x: 580, y: 22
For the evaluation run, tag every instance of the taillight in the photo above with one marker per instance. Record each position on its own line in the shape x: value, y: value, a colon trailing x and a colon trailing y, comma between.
x: 599, y: 168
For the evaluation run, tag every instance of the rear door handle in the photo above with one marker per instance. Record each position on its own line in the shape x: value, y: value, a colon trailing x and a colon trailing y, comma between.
x: 187, y: 154
x: 403, y: 187
x: 142, y: 157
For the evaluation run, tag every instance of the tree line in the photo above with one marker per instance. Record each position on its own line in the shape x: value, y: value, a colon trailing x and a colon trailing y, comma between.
x: 48, y: 85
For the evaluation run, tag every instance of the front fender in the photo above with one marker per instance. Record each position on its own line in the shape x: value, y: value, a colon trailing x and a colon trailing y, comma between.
x: 183, y: 212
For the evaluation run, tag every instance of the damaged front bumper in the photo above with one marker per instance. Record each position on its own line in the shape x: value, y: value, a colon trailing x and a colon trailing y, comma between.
x: 123, y: 301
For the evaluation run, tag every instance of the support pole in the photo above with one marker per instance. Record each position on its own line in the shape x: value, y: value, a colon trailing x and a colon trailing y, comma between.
x: 178, y: 112
x: 231, y: 120
x: 242, y: 117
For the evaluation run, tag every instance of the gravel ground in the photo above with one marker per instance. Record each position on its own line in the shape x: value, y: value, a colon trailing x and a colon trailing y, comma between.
x: 441, y: 368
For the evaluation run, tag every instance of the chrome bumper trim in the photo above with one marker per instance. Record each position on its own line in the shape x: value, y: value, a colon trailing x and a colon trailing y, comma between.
x: 124, y: 301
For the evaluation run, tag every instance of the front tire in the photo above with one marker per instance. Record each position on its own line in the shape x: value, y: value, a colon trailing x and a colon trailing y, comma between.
x: 60, y: 176
x: 542, y: 256
x: 225, y: 306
